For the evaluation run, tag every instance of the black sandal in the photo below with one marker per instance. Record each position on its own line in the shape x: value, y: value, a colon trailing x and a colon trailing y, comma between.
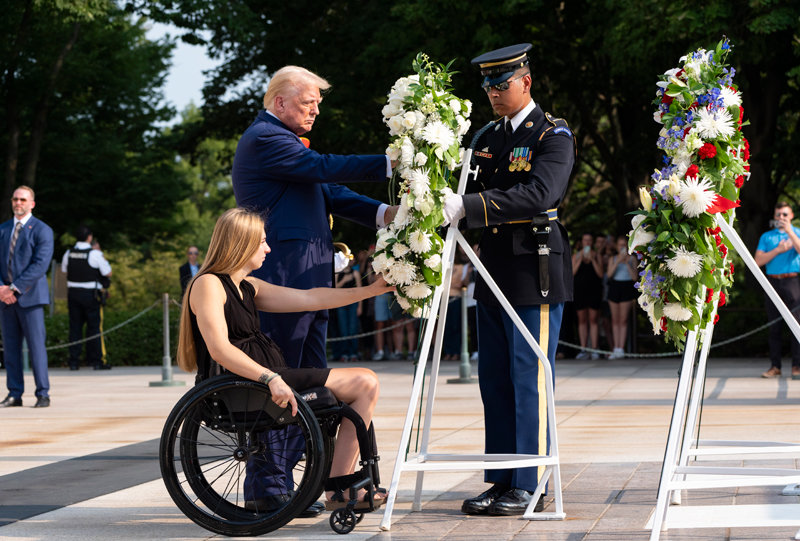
x: 343, y: 483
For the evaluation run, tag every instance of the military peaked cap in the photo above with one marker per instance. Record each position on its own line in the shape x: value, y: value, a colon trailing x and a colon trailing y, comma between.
x: 499, y: 65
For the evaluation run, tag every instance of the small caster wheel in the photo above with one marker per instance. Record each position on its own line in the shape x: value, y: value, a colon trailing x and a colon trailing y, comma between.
x: 343, y: 520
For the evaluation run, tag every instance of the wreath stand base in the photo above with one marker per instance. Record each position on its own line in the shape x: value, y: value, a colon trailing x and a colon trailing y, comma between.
x: 425, y: 461
x: 683, y: 443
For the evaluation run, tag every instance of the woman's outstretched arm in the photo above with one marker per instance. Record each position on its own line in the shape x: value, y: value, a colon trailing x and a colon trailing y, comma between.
x: 272, y: 298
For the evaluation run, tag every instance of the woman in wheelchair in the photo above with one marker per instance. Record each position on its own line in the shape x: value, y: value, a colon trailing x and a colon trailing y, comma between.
x: 219, y: 332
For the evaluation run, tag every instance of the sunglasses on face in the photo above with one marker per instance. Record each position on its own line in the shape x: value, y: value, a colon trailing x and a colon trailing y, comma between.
x: 501, y: 87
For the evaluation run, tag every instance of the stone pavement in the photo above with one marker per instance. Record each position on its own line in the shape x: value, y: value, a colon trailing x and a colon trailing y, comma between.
x: 86, y: 468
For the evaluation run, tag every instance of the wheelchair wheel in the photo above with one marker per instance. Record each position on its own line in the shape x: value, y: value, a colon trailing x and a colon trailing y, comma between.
x: 228, y: 456
x: 343, y: 520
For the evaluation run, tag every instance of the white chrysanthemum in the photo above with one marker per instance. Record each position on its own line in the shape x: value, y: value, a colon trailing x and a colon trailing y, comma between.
x: 434, y: 262
x: 437, y: 133
x: 711, y: 124
x: 399, y: 249
x: 676, y: 312
x: 417, y: 312
x: 685, y: 263
x: 381, y: 263
x: 420, y: 241
x: 401, y: 273
x: 697, y: 195
x: 682, y: 160
x: 420, y: 159
x: 417, y: 291
x: 419, y: 182
x: 730, y: 96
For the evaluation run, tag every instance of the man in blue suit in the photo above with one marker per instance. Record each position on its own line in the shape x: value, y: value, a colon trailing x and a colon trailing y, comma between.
x: 275, y: 171
x: 26, y: 249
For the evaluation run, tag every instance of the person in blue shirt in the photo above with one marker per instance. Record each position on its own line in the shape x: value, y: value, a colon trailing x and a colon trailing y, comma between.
x: 779, y: 250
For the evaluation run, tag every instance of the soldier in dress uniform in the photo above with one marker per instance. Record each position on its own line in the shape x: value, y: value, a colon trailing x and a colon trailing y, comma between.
x: 525, y: 159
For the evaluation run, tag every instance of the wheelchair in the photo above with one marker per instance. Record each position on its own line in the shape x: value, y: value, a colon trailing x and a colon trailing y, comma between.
x: 227, y: 427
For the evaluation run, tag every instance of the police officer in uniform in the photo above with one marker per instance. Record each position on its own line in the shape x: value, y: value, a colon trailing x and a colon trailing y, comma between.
x: 525, y: 159
x: 88, y: 274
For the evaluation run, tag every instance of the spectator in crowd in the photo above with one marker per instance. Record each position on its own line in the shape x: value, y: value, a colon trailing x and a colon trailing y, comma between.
x: 621, y: 293
x: 779, y: 251
x: 588, y: 296
x: 347, y: 316
x: 88, y: 276
x: 26, y: 250
x: 407, y: 332
x: 190, y: 268
x: 382, y: 318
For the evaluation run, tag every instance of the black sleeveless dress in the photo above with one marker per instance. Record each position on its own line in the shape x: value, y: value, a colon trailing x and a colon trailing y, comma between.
x: 244, y: 332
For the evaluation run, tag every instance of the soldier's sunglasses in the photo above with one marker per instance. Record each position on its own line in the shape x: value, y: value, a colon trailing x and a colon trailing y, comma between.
x: 501, y: 87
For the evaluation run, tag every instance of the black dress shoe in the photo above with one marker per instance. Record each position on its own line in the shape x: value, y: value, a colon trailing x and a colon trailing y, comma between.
x: 102, y: 367
x: 479, y: 505
x: 267, y: 504
x: 313, y: 510
x: 11, y: 402
x: 42, y: 402
x: 514, y: 502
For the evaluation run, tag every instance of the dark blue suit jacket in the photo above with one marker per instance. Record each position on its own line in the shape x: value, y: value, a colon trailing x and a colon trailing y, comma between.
x: 32, y: 256
x: 297, y: 187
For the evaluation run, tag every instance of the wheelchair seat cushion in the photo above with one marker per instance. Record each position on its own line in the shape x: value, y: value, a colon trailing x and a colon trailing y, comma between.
x: 318, y: 398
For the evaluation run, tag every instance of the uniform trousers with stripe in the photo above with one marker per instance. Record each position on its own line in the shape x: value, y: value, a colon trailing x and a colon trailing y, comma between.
x: 512, y: 386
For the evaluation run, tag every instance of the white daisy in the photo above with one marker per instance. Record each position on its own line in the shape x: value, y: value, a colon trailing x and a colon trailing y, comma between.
x: 730, y: 96
x: 437, y: 133
x: 420, y: 241
x: 401, y: 273
x: 712, y: 124
x: 676, y: 312
x: 399, y: 249
x: 685, y: 263
x: 417, y: 291
x: 696, y: 196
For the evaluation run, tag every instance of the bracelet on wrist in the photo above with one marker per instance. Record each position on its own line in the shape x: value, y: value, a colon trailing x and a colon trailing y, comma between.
x: 266, y: 377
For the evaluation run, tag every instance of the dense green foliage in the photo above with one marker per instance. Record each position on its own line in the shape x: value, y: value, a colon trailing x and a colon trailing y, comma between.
x: 82, y: 110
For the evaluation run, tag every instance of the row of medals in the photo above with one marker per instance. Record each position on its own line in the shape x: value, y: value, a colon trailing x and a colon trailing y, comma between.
x: 520, y: 159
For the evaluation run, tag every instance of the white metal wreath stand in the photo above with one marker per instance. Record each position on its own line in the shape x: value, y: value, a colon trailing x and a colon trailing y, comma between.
x: 425, y: 461
x: 677, y: 474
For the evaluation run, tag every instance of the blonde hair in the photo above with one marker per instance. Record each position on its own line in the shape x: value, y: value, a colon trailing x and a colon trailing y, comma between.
x: 236, y: 237
x: 288, y: 81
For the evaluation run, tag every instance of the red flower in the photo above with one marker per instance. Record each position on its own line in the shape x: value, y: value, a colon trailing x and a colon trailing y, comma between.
x: 664, y: 324
x: 692, y: 171
x: 741, y: 116
x: 707, y: 151
x: 722, y: 298
x: 739, y: 181
x: 716, y: 318
x: 731, y: 268
x: 724, y: 250
x: 747, y: 168
x: 709, y: 295
x: 666, y: 98
x: 714, y: 231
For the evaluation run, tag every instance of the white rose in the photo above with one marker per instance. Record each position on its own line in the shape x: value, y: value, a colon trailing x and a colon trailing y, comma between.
x: 393, y: 152
x: 409, y: 120
x: 455, y: 105
x: 407, y: 152
x: 469, y: 107
x: 420, y: 159
x: 395, y: 125
x: 434, y: 262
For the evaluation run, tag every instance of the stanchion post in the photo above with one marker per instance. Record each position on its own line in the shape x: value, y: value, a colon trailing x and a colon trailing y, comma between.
x: 464, y: 369
x: 166, y: 367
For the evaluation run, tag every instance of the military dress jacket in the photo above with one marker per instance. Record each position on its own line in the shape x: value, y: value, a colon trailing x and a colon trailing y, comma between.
x: 273, y: 171
x: 518, y: 179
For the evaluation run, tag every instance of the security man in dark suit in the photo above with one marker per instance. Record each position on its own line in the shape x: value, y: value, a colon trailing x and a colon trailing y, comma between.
x: 187, y: 271
x: 88, y: 274
x: 525, y: 159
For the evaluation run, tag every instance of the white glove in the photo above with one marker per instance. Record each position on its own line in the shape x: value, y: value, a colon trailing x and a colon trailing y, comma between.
x: 453, y: 208
x: 340, y: 262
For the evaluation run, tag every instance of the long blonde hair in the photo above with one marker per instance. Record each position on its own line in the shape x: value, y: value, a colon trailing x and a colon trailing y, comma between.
x: 236, y: 237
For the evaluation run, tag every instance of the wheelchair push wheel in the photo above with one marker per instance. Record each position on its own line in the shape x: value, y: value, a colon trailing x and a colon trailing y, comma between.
x: 236, y: 463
